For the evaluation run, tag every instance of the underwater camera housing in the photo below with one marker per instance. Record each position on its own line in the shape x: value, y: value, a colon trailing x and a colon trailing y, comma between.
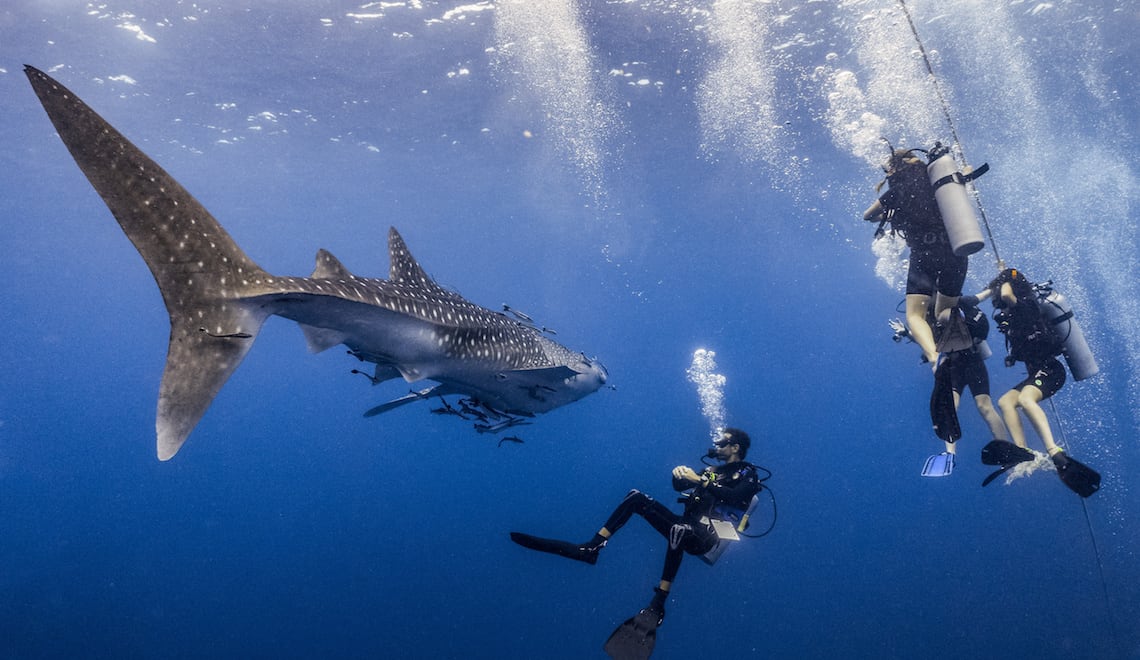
x: 726, y: 529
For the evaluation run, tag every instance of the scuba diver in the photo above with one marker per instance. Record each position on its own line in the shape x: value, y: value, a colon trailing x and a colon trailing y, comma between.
x: 718, y: 505
x: 964, y: 368
x: 928, y: 204
x: 935, y: 272
x: 1031, y: 340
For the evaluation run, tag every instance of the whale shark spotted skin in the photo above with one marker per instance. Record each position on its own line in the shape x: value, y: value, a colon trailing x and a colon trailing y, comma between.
x: 218, y: 299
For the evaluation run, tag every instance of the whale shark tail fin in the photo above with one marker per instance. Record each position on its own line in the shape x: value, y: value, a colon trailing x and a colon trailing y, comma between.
x: 201, y: 272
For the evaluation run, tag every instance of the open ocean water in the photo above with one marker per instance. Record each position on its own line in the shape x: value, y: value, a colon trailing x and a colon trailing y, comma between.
x: 646, y: 177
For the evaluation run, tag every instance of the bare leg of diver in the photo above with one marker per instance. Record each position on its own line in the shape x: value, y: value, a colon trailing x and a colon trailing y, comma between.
x: 1008, y: 405
x: 1028, y: 402
x: 991, y: 417
x: 916, y: 307
x: 942, y: 306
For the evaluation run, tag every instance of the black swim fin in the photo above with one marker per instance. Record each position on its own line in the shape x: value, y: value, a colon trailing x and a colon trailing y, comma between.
x: 1003, y: 453
x: 997, y: 473
x: 566, y: 549
x: 634, y: 639
x: 943, y: 414
x: 1080, y: 478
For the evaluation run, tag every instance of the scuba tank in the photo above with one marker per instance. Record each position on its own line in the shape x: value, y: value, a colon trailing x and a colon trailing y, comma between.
x: 953, y: 201
x: 1058, y: 314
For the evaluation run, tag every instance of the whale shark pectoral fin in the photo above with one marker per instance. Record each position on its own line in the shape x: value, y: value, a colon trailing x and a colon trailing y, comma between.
x: 198, y: 363
x: 541, y: 376
x: 321, y: 339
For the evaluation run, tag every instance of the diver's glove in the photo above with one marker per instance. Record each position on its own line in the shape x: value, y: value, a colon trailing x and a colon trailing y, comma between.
x: 968, y: 301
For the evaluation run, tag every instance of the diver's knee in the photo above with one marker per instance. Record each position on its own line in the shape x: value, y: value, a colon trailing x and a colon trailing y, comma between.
x: 1027, y: 400
x: 635, y: 494
x: 677, y: 534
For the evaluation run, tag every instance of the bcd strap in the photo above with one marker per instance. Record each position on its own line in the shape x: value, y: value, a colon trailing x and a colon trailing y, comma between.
x: 958, y: 177
x: 1062, y: 318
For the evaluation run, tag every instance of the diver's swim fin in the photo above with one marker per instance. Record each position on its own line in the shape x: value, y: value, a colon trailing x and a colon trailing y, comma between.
x: 1003, y: 453
x: 561, y: 548
x: 943, y: 414
x: 939, y: 465
x: 1080, y: 478
x: 997, y: 473
x: 634, y: 639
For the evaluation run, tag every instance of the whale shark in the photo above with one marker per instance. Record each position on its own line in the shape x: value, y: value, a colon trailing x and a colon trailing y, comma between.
x: 407, y: 325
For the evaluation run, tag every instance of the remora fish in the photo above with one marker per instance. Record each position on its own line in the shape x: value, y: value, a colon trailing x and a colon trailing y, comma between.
x: 218, y: 298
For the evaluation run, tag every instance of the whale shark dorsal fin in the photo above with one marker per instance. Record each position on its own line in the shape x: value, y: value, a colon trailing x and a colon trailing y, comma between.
x: 403, y: 268
x: 329, y: 268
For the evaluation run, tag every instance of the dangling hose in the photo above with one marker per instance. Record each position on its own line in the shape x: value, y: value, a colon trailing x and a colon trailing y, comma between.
x: 950, y: 122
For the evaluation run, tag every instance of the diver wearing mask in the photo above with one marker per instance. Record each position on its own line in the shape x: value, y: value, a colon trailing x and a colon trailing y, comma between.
x: 1031, y: 340
x: 716, y: 493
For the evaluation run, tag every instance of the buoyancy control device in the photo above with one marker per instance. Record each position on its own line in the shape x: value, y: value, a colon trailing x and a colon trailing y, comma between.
x: 954, y: 203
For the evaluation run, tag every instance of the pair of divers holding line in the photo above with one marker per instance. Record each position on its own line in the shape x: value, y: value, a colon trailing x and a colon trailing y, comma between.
x: 718, y: 503
x: 928, y: 205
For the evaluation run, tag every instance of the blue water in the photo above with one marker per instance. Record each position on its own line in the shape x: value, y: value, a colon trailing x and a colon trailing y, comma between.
x: 647, y: 178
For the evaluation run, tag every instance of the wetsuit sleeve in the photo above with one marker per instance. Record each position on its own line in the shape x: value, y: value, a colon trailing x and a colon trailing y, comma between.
x: 977, y: 323
x: 889, y: 200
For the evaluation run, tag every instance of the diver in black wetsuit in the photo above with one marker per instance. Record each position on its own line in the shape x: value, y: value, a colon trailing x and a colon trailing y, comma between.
x: 730, y: 485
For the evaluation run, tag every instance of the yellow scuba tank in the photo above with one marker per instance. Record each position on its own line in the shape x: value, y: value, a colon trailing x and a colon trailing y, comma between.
x: 953, y: 201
